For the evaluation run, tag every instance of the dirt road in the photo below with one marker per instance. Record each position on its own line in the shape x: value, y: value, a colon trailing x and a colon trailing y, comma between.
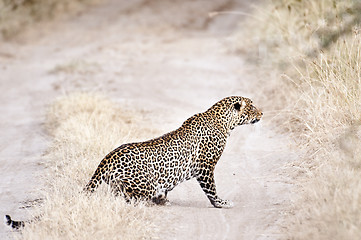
x: 169, y: 60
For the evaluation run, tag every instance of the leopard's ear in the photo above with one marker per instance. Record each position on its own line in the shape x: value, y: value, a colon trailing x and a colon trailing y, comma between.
x: 239, y: 105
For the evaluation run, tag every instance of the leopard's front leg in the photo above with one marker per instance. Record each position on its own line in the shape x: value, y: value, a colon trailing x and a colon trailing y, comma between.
x: 206, y: 180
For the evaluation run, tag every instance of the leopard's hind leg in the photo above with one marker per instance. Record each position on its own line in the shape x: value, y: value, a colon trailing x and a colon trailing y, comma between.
x: 117, y: 188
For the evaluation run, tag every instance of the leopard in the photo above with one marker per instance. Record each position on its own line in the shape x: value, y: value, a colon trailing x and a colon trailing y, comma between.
x: 149, y: 170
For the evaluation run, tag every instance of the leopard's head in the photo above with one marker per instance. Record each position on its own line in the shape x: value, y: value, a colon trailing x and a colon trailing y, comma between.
x: 244, y: 112
x: 233, y: 111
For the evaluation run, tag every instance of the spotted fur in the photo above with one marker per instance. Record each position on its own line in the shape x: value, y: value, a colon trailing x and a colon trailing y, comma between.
x: 149, y: 170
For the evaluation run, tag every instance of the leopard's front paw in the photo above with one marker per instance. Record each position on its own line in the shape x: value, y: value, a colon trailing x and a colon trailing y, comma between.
x: 219, y: 203
x: 160, y: 199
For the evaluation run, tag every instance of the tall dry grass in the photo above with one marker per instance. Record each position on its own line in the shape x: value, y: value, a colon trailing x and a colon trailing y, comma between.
x: 315, y: 47
x: 328, y: 114
x: 84, y: 128
x: 17, y: 14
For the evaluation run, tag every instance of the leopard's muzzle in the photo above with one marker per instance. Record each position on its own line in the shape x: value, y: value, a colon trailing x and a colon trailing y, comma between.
x: 257, y: 118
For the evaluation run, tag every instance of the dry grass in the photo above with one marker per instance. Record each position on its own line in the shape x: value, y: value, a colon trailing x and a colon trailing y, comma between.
x: 84, y: 128
x: 328, y: 117
x: 316, y: 48
x: 17, y: 14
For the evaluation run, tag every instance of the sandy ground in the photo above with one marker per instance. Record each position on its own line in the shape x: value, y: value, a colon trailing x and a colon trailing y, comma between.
x: 170, y: 61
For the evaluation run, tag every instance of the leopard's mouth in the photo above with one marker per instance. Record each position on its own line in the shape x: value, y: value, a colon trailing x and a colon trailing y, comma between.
x: 254, y: 121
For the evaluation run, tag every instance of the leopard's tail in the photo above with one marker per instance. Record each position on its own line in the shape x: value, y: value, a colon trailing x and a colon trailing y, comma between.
x: 13, y: 224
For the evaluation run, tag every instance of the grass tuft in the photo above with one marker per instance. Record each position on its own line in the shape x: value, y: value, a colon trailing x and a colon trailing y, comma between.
x: 15, y: 15
x: 84, y: 128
